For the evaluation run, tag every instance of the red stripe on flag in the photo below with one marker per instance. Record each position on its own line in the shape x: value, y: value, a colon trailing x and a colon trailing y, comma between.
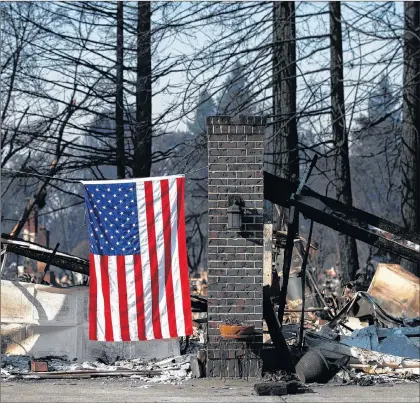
x: 109, y: 334
x: 93, y: 299
x: 182, y: 252
x: 170, y: 301
x: 138, y: 278
x: 154, y: 273
x: 122, y: 297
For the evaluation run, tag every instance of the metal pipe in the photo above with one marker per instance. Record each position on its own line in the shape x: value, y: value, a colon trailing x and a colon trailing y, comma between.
x: 292, y: 230
x: 318, y: 291
x: 307, y: 310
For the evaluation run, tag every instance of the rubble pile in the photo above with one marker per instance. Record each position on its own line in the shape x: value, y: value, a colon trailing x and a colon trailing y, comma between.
x: 172, y: 370
x: 373, y: 339
x: 354, y: 377
x: 279, y: 376
x: 169, y: 371
x: 193, y: 346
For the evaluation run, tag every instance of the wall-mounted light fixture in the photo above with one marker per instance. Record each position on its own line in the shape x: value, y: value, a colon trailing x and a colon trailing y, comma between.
x: 234, y: 213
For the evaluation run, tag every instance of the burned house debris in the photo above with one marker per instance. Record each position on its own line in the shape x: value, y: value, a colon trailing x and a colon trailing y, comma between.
x: 267, y: 313
x: 391, y: 301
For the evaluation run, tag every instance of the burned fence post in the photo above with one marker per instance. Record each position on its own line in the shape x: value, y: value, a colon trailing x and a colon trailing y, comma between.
x: 235, y: 259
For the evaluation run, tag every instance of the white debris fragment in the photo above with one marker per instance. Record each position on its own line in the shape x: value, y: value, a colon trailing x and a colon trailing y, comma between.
x: 89, y: 365
x: 173, y: 370
x: 353, y: 376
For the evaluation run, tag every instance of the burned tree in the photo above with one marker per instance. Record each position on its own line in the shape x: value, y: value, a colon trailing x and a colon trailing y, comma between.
x: 143, y: 130
x: 119, y: 96
x: 347, y: 245
x: 410, y: 159
x: 286, y: 153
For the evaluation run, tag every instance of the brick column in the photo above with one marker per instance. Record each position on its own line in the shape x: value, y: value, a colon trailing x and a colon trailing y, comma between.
x: 235, y: 259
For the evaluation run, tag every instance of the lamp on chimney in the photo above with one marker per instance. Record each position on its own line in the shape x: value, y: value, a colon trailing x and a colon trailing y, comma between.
x: 234, y: 213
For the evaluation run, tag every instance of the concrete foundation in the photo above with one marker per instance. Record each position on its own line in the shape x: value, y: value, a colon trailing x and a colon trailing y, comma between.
x: 38, y: 320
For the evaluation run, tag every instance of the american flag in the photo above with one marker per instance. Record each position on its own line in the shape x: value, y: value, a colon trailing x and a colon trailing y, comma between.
x: 139, y: 287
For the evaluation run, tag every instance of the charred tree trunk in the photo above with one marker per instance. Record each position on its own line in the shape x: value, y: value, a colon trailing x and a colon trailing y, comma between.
x: 143, y: 131
x: 347, y: 245
x: 119, y: 96
x: 410, y: 158
x: 286, y: 155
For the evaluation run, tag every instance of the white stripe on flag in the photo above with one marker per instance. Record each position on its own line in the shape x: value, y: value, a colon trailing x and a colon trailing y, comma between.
x: 179, y: 310
x: 100, y: 319
x: 160, y: 248
x: 131, y: 296
x: 144, y: 250
x: 114, y: 297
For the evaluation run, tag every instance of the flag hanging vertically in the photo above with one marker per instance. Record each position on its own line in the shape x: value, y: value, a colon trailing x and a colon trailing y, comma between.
x: 139, y: 282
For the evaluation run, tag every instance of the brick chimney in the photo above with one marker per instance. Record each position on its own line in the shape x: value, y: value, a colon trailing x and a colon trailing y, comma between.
x: 31, y: 227
x: 44, y: 240
x: 43, y: 236
x: 235, y: 258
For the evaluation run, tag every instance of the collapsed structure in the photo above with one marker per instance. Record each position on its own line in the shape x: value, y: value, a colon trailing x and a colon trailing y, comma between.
x: 243, y: 292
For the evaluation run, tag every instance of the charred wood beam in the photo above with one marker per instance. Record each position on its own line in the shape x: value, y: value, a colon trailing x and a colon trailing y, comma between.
x: 353, y: 222
x: 69, y: 262
x: 198, y: 304
x: 41, y: 253
x: 362, y: 218
x: 47, y: 267
x: 284, y: 358
x: 357, y: 223
x: 278, y: 190
x: 303, y: 278
x: 292, y: 230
